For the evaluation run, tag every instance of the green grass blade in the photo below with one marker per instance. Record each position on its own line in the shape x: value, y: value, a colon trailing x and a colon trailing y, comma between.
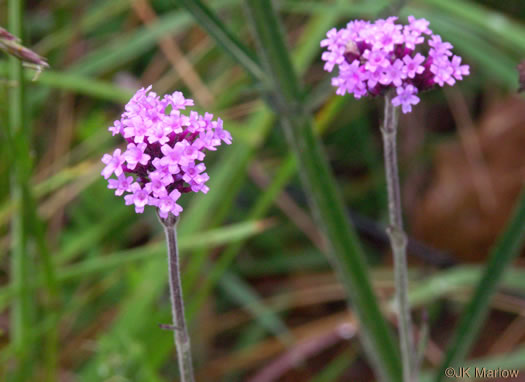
x: 368, y: 9
x: 452, y: 282
x: 495, y: 24
x: 250, y: 301
x: 506, y: 249
x: 472, y: 45
x: 129, y: 47
x: 208, y: 239
x: 21, y: 310
x: 335, y: 368
x: 97, y: 16
x: 321, y: 189
x: 26, y: 222
x: 212, y: 24
x: 85, y: 86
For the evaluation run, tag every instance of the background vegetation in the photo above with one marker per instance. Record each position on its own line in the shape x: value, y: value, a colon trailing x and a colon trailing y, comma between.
x: 83, y: 278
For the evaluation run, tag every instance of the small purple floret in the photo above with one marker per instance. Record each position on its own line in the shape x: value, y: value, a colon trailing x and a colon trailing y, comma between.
x: 165, y: 151
x: 120, y: 185
x: 113, y: 164
x: 413, y: 65
x: 406, y: 98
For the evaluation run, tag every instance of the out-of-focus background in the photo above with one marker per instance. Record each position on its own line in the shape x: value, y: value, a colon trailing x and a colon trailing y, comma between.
x: 263, y: 303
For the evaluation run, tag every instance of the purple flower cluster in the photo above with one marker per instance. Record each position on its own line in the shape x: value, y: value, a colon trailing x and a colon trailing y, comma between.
x: 164, y: 152
x: 374, y: 57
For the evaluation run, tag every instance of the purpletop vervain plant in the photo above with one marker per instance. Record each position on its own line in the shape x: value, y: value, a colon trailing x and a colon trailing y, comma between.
x: 375, y: 57
x: 162, y: 160
x: 164, y: 152
x: 398, y: 62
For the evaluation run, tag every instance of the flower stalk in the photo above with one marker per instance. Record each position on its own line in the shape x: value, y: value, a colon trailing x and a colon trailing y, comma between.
x: 398, y: 239
x: 164, y: 158
x: 385, y: 57
x: 180, y: 330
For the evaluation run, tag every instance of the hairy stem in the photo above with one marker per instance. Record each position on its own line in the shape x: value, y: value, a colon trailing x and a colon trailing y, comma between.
x: 180, y: 330
x: 398, y: 239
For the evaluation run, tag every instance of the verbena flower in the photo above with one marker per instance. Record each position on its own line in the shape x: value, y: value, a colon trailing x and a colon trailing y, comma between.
x: 165, y: 150
x: 375, y: 57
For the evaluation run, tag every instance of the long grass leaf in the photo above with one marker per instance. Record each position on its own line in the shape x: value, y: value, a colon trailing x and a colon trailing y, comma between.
x: 213, y: 25
x: 320, y: 186
x: 493, y: 24
x: 26, y: 222
x: 249, y: 300
x: 129, y: 47
x: 212, y: 239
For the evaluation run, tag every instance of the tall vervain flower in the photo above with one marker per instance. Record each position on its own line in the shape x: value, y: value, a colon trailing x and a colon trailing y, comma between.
x: 163, y: 160
x: 165, y: 150
x: 398, y: 62
x: 373, y: 57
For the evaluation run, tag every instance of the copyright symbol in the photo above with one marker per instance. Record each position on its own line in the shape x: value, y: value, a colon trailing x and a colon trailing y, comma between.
x: 449, y: 372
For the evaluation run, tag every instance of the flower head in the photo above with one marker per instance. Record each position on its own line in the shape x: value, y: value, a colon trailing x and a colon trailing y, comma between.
x: 165, y: 150
x: 375, y: 57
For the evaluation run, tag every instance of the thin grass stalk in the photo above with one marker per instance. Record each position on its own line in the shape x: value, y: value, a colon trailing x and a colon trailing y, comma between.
x: 209, y: 21
x: 180, y: 330
x: 286, y: 98
x: 398, y: 239
x: 26, y: 223
x: 20, y: 323
x: 502, y: 254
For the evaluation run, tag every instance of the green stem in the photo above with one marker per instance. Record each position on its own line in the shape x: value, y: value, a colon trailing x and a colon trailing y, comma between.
x: 505, y: 250
x: 180, y: 330
x: 26, y: 221
x: 398, y: 239
x: 326, y: 204
x: 20, y: 321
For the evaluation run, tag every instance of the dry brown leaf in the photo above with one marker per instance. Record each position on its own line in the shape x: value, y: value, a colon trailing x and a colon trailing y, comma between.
x: 450, y: 215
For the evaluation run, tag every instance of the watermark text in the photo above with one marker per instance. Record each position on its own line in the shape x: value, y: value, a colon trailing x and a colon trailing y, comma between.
x: 481, y: 372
